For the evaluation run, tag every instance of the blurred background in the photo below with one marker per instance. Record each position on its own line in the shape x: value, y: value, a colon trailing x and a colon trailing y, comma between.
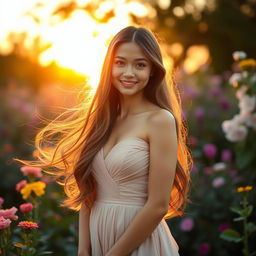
x: 50, y: 49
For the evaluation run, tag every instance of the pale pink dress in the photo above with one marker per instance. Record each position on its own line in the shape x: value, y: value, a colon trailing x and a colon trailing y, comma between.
x: 122, y: 179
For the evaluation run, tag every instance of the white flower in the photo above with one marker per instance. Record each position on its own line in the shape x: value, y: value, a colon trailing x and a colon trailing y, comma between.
x: 219, y: 166
x: 237, y: 133
x: 235, y: 78
x: 238, y: 119
x: 252, y: 121
x: 245, y: 116
x: 227, y: 125
x: 241, y: 91
x: 247, y: 102
x: 239, y: 55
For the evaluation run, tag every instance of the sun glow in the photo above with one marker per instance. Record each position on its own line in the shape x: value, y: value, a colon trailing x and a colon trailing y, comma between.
x: 78, y: 42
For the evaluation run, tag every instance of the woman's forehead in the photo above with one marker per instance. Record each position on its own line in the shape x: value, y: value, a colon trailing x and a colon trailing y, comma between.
x: 128, y: 50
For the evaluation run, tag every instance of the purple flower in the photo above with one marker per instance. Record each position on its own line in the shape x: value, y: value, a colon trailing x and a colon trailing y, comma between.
x: 210, y: 151
x: 223, y: 227
x: 194, y: 169
x: 204, y: 249
x: 226, y: 155
x: 224, y: 104
x: 187, y: 224
x: 199, y: 113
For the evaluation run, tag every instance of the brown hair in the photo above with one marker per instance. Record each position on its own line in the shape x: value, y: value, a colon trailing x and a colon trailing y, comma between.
x: 69, y: 144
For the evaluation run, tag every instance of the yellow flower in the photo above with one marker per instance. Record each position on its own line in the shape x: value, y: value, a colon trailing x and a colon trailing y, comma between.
x: 247, y: 63
x: 36, y: 187
x: 19, y: 245
x: 243, y: 189
x: 248, y: 188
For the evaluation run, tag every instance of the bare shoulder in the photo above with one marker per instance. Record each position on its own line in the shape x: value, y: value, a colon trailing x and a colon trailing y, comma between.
x: 161, y: 130
x: 161, y: 118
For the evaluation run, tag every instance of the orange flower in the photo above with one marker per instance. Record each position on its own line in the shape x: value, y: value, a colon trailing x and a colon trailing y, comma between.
x: 19, y: 245
x: 243, y: 189
x: 28, y: 225
x: 247, y: 63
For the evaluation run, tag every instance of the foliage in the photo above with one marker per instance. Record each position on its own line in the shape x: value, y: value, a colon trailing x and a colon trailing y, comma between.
x: 249, y: 228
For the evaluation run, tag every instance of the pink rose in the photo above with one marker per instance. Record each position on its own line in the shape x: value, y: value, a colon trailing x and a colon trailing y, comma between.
x: 4, y: 223
x: 204, y: 248
x: 20, y: 185
x: 33, y: 171
x: 9, y: 213
x: 187, y: 224
x: 26, y: 207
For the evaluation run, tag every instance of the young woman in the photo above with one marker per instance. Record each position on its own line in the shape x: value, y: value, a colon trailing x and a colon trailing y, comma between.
x: 123, y: 159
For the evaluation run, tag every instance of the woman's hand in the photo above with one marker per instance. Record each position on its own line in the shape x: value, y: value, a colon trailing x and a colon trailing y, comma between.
x: 83, y: 254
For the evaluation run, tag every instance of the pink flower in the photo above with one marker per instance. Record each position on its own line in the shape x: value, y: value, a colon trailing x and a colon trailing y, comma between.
x: 218, y: 182
x: 208, y: 170
x: 210, y: 151
x: 226, y: 155
x: 223, y: 227
x: 20, y: 185
x: 204, y: 249
x: 193, y: 141
x: 4, y: 223
x: 1, y: 201
x: 33, y: 171
x: 26, y: 207
x: 28, y: 225
x: 9, y: 213
x: 187, y: 224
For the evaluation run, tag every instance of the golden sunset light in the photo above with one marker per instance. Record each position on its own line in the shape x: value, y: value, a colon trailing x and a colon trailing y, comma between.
x: 77, y: 43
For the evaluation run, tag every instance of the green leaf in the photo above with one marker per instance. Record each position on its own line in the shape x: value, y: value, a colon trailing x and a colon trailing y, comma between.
x: 239, y: 219
x: 46, y: 253
x: 251, y: 227
x: 235, y: 210
x: 247, y: 211
x: 231, y: 235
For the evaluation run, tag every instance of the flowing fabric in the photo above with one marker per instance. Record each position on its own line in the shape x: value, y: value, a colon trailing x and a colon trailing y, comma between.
x: 122, y: 178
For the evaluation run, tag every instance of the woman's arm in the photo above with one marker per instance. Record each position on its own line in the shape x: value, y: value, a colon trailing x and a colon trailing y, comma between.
x: 84, y: 241
x: 163, y: 159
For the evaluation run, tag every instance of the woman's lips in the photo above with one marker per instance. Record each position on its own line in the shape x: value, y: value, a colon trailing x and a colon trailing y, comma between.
x: 128, y: 84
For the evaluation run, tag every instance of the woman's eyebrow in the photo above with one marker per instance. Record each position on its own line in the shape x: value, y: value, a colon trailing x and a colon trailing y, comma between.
x: 138, y: 59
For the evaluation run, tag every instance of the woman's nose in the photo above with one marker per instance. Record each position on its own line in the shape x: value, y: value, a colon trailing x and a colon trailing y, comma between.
x: 128, y: 71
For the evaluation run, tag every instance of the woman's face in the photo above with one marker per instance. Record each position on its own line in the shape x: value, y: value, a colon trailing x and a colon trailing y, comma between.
x: 131, y: 69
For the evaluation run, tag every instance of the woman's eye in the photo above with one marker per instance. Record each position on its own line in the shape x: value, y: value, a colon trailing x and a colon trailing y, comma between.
x: 118, y: 62
x: 141, y: 65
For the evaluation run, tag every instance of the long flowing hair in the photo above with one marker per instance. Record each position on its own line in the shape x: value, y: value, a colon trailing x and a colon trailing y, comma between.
x: 67, y: 145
